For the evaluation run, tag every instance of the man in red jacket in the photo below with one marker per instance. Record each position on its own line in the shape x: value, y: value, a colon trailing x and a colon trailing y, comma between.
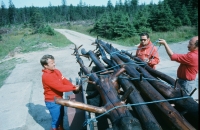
x: 54, y: 84
x: 188, y: 68
x: 147, y: 51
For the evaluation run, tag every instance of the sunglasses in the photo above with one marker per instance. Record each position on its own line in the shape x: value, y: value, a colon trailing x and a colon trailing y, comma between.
x: 143, y: 39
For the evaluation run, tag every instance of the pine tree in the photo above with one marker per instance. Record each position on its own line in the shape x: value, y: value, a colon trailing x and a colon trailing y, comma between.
x: 161, y: 18
x: 64, y: 9
x: 133, y: 8
x: 175, y: 7
x: 49, y: 13
x: 3, y: 14
x: 185, y: 20
x: 71, y: 13
x: 11, y: 12
x: 141, y: 18
x: 177, y: 22
x: 192, y: 9
x: 123, y: 27
x: 110, y: 7
x: 126, y: 6
x: 36, y: 21
x: 119, y: 5
x: 114, y: 25
x: 134, y: 5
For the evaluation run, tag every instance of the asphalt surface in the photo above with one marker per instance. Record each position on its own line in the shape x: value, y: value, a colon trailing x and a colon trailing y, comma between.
x: 22, y: 97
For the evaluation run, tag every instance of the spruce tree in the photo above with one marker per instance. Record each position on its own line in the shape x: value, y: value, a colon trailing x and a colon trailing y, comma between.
x: 36, y: 21
x: 11, y: 12
x: 64, y: 10
x: 140, y: 20
x: 161, y: 18
x: 110, y: 7
x: 3, y: 14
x: 185, y: 20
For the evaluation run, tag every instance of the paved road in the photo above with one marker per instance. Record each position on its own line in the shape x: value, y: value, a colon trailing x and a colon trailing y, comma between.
x: 21, y: 96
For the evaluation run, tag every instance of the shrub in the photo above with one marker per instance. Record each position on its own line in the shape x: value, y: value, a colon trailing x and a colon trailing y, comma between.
x: 145, y: 29
x: 46, y: 29
x: 49, y: 30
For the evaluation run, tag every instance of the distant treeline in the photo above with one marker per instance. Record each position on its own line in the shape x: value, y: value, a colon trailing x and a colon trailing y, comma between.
x: 119, y: 21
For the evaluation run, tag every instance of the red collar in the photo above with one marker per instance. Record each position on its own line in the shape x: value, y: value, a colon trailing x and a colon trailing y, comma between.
x: 47, y: 71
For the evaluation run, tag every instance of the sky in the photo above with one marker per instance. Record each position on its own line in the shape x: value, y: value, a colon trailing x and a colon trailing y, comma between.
x: 45, y: 3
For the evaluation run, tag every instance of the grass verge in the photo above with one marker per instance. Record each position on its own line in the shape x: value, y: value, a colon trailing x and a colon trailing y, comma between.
x: 25, y: 42
x: 20, y: 40
x: 5, y: 69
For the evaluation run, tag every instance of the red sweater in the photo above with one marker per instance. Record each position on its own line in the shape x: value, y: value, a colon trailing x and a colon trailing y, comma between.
x: 55, y: 84
x: 149, y: 51
x: 188, y: 65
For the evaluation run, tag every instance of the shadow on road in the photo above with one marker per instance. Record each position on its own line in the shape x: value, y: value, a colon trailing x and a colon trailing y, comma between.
x: 40, y: 114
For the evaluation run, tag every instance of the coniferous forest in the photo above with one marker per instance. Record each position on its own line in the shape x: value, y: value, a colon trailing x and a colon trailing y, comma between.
x: 112, y: 21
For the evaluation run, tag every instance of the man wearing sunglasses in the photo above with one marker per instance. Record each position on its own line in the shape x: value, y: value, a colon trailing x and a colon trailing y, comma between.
x: 147, y: 51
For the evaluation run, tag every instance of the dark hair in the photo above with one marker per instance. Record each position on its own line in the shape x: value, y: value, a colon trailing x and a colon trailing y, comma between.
x: 144, y: 34
x: 196, y: 43
x: 44, y: 59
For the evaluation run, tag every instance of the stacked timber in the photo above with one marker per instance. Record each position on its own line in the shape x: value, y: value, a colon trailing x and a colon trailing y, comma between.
x: 121, y: 81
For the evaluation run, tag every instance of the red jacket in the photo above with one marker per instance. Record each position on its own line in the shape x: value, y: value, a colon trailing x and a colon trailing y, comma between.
x: 150, y: 52
x: 188, y: 65
x: 55, y: 84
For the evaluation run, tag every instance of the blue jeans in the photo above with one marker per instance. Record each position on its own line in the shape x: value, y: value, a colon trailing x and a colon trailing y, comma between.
x: 187, y: 86
x: 56, y: 112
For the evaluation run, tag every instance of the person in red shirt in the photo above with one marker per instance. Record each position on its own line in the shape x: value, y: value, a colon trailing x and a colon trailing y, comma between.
x: 188, y: 67
x: 54, y: 84
x: 147, y: 51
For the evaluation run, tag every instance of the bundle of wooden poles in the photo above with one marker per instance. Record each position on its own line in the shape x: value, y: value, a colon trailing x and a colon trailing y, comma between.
x: 152, y: 92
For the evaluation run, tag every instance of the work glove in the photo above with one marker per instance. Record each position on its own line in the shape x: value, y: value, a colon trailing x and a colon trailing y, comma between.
x: 78, y: 89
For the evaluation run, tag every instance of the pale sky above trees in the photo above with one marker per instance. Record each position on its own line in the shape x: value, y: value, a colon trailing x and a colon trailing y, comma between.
x: 45, y: 3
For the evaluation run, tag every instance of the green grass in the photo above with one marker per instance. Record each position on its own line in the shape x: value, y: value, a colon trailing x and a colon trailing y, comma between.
x: 5, y: 69
x: 178, y: 35
x: 27, y: 42
x: 18, y: 37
